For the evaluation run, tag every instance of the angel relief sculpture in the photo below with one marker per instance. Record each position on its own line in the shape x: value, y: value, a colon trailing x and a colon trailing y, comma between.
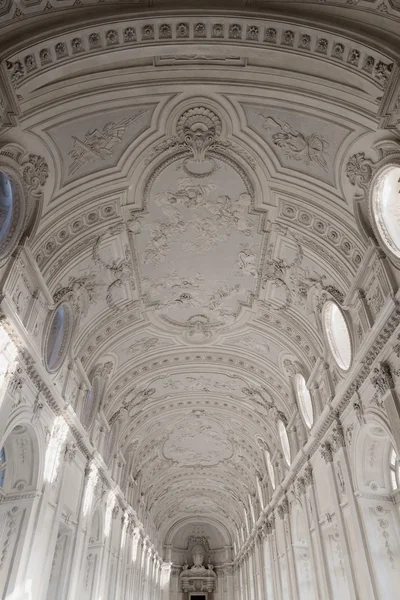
x: 215, y: 223
x: 297, y: 145
x: 292, y: 277
x: 99, y: 144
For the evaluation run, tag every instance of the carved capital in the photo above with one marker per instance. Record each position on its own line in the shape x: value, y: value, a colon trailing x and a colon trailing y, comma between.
x: 337, y: 438
x: 301, y: 486
x: 70, y: 452
x: 308, y: 475
x: 283, y: 508
x: 326, y: 452
x: 382, y: 378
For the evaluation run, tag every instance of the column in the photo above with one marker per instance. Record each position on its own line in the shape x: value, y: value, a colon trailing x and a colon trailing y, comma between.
x: 229, y: 582
x: 268, y: 573
x: 274, y: 554
x: 368, y: 588
x: 319, y: 547
x: 326, y: 451
x: 80, y: 541
x: 301, y: 490
x: 47, y: 524
x: 259, y: 570
x: 283, y: 512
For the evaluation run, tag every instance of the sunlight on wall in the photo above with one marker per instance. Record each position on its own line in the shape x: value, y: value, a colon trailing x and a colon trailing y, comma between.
x: 8, y: 355
x: 22, y: 592
x: 92, y: 482
x: 124, y: 528
x: 135, y: 544
x: 165, y: 576
x: 108, y: 518
x: 53, y: 454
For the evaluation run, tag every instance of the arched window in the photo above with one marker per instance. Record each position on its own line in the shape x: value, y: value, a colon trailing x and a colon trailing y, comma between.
x: 109, y: 446
x: 337, y: 334
x: 12, y: 212
x: 3, y: 466
x: 6, y: 206
x: 386, y: 206
x: 260, y: 492
x: 88, y: 407
x: 394, y: 470
x: 304, y: 400
x: 270, y: 468
x: 57, y: 338
x: 284, y: 441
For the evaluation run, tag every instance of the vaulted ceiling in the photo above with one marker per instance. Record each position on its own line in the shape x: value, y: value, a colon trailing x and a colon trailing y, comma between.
x: 199, y: 209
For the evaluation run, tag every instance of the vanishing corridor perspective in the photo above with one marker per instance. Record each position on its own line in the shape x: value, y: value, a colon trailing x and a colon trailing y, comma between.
x: 200, y: 300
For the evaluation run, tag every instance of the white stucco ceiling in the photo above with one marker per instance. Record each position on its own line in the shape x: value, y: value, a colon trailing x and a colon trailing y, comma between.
x: 198, y: 266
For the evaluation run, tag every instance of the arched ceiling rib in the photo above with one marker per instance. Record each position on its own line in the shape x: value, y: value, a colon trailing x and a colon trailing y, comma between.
x: 199, y: 218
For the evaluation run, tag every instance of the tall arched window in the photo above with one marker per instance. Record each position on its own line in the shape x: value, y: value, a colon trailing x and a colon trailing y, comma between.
x: 109, y: 446
x: 6, y: 205
x: 385, y: 206
x: 270, y: 468
x: 337, y: 334
x: 57, y: 338
x: 304, y: 400
x: 12, y: 211
x: 394, y: 470
x: 87, y: 408
x: 284, y: 441
x: 3, y: 466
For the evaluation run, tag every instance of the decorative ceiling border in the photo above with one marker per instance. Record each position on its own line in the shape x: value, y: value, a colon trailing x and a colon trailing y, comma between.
x: 340, y: 50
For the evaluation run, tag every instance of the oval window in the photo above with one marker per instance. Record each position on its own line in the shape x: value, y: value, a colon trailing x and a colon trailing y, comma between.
x: 284, y: 441
x: 386, y: 206
x: 337, y: 334
x: 6, y: 206
x: 304, y: 400
x: 56, y: 346
x: 270, y: 468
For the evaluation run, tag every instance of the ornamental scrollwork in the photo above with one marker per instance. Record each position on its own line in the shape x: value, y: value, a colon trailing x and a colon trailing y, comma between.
x: 35, y: 173
x: 359, y: 170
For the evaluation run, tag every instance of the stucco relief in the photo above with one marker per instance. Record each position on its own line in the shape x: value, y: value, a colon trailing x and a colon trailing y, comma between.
x: 304, y: 143
x: 98, y: 141
x: 189, y: 221
x: 198, y: 442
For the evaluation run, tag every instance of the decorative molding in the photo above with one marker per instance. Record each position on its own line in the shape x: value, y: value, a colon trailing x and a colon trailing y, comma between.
x: 337, y: 50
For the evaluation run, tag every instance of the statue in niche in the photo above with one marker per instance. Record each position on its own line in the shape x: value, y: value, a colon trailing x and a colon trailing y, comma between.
x: 198, y: 578
x: 198, y: 557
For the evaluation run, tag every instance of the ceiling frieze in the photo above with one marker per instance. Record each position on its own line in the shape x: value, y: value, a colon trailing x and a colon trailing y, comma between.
x: 44, y: 56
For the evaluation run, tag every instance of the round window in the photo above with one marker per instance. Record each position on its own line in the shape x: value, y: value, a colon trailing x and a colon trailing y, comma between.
x: 304, y: 400
x: 337, y: 334
x: 386, y: 206
x: 284, y: 441
x: 57, y: 338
